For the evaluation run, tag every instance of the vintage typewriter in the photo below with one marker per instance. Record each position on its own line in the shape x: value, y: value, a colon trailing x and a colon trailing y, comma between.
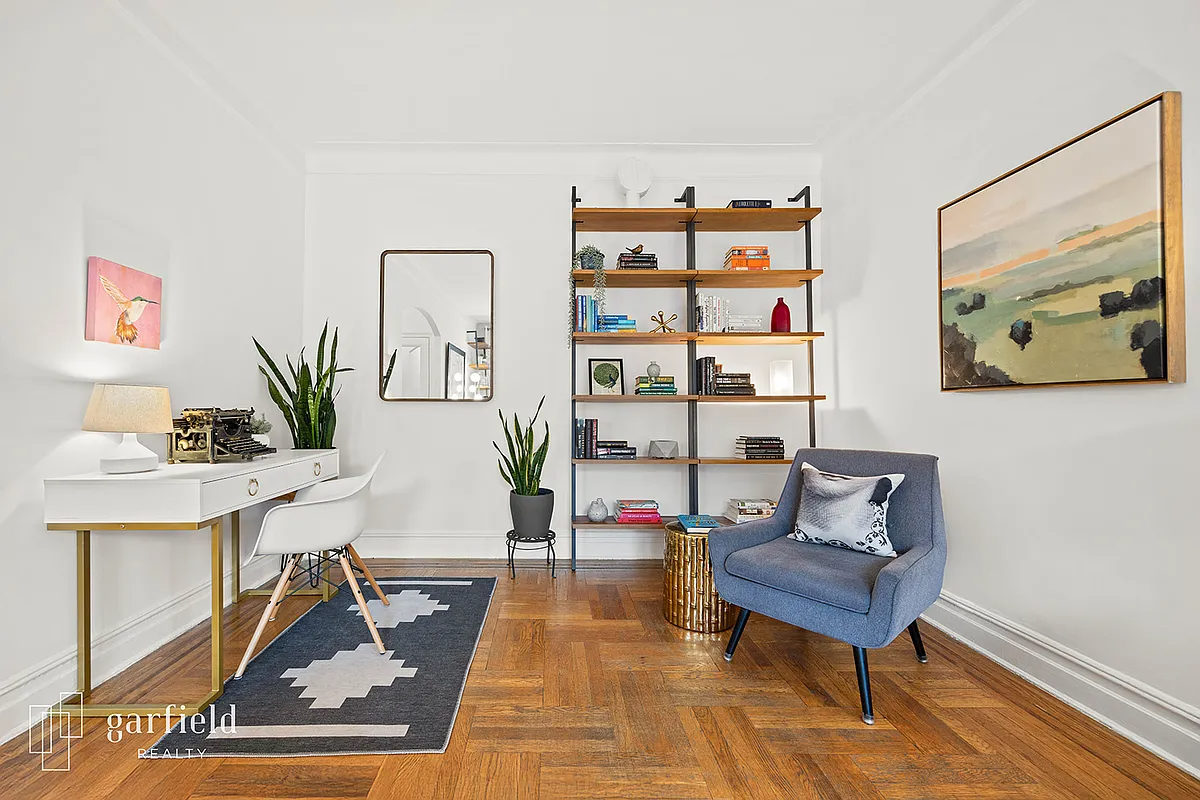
x: 212, y: 435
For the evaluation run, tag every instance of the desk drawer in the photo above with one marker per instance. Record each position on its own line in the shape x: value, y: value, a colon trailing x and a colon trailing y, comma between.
x: 312, y: 470
x: 217, y: 497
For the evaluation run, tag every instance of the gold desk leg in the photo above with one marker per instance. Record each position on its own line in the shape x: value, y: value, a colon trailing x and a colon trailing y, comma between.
x: 218, y: 608
x: 83, y: 611
x: 235, y: 552
x: 83, y: 571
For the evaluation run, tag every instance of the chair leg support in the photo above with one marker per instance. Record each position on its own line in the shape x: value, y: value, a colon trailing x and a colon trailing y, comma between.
x: 268, y: 614
x: 362, y: 604
x: 738, y: 627
x: 864, y: 684
x: 356, y: 559
x: 915, y: 633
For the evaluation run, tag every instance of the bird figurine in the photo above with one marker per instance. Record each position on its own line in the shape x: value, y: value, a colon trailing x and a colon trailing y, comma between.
x: 131, y: 311
x: 635, y: 250
x: 663, y: 325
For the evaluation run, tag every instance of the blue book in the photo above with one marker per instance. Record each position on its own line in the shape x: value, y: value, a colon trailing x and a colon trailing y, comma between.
x: 698, y: 523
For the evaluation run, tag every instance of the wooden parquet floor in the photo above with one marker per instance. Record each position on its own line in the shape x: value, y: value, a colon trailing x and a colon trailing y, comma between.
x: 580, y: 689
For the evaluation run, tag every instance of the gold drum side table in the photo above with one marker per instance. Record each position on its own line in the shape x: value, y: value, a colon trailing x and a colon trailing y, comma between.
x: 690, y: 598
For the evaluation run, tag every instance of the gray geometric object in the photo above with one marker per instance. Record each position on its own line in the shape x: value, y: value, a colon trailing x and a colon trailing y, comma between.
x: 663, y: 448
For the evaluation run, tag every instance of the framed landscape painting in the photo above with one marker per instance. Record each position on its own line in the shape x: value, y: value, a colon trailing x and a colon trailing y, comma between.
x: 1069, y: 269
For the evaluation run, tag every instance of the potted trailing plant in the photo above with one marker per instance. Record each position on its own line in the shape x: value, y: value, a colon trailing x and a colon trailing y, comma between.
x: 521, y: 467
x: 307, y: 400
x: 588, y: 257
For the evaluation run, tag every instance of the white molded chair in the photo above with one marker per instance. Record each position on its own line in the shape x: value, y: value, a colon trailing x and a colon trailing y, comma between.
x: 324, y: 519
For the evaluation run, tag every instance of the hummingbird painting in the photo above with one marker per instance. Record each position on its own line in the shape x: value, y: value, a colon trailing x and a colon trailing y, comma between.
x: 131, y: 311
x: 133, y: 293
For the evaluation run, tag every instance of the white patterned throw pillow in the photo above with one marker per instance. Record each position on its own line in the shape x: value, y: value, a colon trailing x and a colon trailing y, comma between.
x: 845, y: 511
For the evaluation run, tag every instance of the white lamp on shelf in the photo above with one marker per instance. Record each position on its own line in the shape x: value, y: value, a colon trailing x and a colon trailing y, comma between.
x: 129, y: 410
x: 782, y: 382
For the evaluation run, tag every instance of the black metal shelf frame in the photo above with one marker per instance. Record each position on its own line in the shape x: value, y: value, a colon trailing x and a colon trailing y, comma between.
x: 688, y: 199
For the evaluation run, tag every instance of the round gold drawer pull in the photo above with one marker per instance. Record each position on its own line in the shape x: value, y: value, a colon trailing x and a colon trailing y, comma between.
x: 317, y: 468
x: 252, y: 487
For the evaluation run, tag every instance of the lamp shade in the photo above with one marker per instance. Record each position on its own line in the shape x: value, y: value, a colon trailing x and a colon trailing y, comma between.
x: 128, y: 409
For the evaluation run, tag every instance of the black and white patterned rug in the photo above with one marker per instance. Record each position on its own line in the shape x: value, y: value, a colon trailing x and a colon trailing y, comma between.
x: 322, y: 688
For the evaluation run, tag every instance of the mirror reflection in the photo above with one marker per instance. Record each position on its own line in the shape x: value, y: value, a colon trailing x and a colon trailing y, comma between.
x: 435, y: 325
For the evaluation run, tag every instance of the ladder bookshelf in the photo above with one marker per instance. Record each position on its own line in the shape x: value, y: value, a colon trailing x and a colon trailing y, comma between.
x: 688, y: 220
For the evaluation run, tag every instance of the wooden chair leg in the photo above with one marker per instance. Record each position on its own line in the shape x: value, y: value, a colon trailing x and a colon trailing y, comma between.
x: 362, y: 604
x: 268, y: 614
x: 358, y: 562
x: 290, y: 572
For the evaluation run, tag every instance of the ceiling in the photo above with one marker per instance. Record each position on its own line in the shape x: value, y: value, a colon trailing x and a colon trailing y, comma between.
x: 557, y: 71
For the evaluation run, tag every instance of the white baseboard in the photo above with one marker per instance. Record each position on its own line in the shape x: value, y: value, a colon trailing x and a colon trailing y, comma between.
x: 1158, y: 722
x: 117, y: 649
x: 628, y: 545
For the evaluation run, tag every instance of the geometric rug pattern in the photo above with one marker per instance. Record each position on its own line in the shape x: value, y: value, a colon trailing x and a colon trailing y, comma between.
x: 321, y: 687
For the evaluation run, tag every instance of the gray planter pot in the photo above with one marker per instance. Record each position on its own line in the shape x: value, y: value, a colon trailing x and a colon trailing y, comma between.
x: 531, y: 513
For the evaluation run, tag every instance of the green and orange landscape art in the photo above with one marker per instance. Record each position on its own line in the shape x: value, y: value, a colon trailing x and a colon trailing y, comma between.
x: 1057, y: 272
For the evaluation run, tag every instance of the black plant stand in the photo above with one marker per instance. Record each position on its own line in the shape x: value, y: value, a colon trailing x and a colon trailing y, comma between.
x: 545, y: 540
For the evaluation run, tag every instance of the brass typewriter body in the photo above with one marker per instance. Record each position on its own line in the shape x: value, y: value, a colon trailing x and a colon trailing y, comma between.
x: 212, y: 435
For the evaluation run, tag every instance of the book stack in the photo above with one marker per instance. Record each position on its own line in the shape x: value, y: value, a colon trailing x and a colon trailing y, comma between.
x: 638, y: 512
x: 712, y: 313
x: 748, y: 257
x: 744, y: 323
x: 663, y: 384
x: 742, y: 509
x: 637, y: 261
x: 615, y: 323
x: 698, y: 523
x: 749, y: 204
x: 585, y: 313
x: 711, y: 380
x: 588, y: 443
x: 759, y: 448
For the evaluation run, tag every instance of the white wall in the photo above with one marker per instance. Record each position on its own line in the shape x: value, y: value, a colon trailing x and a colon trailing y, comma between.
x: 1069, y: 511
x: 439, y: 493
x: 109, y: 148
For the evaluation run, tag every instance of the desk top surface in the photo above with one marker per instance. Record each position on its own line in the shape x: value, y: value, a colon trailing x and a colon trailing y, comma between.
x: 197, y: 472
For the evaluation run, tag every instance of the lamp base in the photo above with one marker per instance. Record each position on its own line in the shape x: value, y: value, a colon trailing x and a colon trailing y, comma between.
x: 129, y: 456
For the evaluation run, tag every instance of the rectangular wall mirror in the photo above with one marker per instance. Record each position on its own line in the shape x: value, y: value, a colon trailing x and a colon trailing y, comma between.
x: 435, y: 325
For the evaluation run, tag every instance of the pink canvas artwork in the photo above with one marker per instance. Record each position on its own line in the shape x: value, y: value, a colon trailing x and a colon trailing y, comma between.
x: 123, y: 305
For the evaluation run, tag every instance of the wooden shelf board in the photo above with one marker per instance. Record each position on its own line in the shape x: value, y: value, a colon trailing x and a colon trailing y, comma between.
x: 641, y: 337
x: 653, y: 220
x: 745, y: 461
x: 708, y: 278
x: 759, y: 398
x: 635, y: 461
x: 755, y: 279
x: 479, y: 345
x: 633, y: 398
x: 637, y: 278
x: 788, y: 218
x: 755, y: 338
x: 582, y: 523
x: 632, y: 220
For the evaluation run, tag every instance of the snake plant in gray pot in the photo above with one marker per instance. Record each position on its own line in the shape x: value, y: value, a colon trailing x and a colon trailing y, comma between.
x: 531, y: 504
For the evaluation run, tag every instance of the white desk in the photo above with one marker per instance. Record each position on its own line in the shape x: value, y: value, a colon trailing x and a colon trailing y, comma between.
x: 173, y: 497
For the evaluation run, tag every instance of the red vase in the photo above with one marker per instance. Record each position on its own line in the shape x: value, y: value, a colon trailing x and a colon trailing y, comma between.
x: 781, y: 318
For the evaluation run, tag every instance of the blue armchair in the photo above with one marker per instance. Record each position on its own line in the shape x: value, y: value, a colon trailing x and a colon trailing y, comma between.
x: 861, y: 599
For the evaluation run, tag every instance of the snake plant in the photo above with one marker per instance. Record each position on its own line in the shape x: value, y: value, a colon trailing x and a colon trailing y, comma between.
x: 521, y: 468
x: 306, y: 401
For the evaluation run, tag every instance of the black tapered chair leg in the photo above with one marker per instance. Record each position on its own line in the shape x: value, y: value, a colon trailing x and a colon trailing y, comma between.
x: 738, y: 627
x: 864, y: 684
x: 915, y: 633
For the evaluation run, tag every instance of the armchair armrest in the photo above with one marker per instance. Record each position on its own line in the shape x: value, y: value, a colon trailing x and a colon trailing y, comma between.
x: 724, y: 541
x: 908, y: 585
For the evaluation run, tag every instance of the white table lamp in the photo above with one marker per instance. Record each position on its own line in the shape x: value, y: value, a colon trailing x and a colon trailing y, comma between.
x: 129, y: 410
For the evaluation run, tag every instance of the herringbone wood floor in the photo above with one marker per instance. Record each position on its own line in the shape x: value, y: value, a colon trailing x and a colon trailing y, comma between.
x: 580, y: 689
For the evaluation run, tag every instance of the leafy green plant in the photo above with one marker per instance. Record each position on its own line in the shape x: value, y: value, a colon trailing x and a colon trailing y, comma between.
x: 260, y: 425
x: 307, y: 401
x: 387, y: 375
x: 521, y: 468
